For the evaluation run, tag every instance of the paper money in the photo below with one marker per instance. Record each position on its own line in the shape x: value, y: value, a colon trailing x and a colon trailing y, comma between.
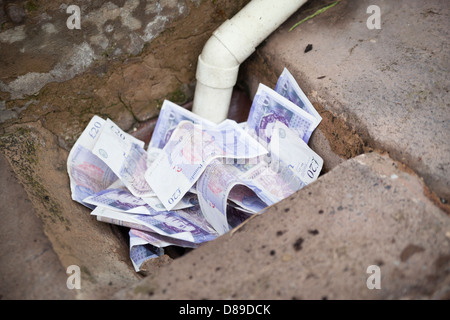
x: 246, y: 199
x: 220, y: 183
x: 148, y: 237
x: 195, y: 216
x: 189, y: 200
x: 197, y: 180
x: 289, y: 88
x: 213, y: 187
x: 152, y: 154
x: 190, y: 149
x: 270, y: 186
x: 141, y: 251
x: 245, y: 185
x: 160, y: 241
x: 87, y: 173
x: 119, y: 218
x: 185, y: 225
x: 254, y: 187
x: 287, y: 149
x: 236, y: 216
x: 169, y: 117
x: 268, y: 107
x: 125, y: 220
x: 117, y: 199
x: 125, y: 156
x: 178, y: 225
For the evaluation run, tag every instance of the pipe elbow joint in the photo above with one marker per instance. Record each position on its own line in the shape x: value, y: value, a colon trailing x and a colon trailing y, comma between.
x: 218, y: 64
x: 230, y: 45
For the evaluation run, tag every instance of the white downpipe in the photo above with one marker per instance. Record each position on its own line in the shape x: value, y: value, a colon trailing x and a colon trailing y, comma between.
x: 230, y: 45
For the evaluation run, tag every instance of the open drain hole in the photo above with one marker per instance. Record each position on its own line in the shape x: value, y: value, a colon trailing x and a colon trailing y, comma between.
x: 342, y: 142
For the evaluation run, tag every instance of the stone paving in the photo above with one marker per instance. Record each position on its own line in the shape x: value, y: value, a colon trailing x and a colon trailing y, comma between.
x: 320, y: 242
x: 382, y: 199
x: 391, y: 85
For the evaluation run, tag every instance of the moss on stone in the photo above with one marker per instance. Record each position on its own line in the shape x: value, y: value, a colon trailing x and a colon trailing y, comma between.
x: 21, y: 147
x: 31, y: 6
x: 178, y: 96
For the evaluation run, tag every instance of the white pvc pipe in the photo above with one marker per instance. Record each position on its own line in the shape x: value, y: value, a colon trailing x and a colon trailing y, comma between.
x: 230, y: 45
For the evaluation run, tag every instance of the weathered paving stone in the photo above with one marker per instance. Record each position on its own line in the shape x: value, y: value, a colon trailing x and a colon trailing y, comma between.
x: 30, y: 269
x: 389, y: 85
x: 319, y: 243
x: 64, y: 231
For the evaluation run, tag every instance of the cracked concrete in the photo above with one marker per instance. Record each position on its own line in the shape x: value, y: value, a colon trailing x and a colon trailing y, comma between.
x: 318, y: 244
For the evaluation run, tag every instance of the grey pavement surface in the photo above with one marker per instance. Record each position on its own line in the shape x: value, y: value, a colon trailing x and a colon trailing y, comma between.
x: 391, y: 85
x: 30, y: 269
x: 320, y: 242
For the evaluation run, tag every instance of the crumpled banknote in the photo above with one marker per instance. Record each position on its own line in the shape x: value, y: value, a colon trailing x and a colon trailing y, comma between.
x: 196, y: 180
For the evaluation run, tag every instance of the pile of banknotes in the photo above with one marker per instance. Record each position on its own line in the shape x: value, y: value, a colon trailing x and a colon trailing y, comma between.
x: 196, y: 180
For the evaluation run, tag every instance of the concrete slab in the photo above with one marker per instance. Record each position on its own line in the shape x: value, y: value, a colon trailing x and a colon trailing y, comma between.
x: 389, y: 85
x: 29, y: 268
x: 319, y: 243
x: 73, y: 236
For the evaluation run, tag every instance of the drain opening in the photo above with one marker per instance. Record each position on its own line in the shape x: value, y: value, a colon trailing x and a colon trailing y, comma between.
x: 343, y: 142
